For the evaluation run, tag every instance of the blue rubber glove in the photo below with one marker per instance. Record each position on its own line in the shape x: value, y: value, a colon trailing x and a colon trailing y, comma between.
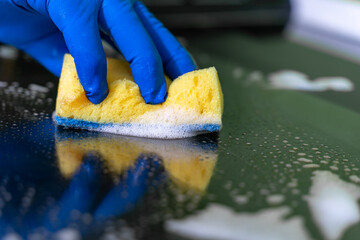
x: 47, y: 29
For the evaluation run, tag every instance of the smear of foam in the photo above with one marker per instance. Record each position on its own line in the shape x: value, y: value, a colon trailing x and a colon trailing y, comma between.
x: 289, y: 79
x: 333, y: 203
x: 220, y: 222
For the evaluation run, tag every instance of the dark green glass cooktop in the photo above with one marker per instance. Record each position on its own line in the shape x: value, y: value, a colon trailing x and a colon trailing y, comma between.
x: 285, y: 166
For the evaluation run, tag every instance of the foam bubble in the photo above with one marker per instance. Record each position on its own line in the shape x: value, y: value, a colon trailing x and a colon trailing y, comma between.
x: 241, y: 199
x: 304, y: 160
x: 3, y: 84
x: 354, y: 178
x: 8, y: 52
x: 37, y: 88
x: 311, y: 165
x: 275, y: 199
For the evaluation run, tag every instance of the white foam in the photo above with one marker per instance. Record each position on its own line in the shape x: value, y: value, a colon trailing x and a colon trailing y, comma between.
x: 3, y: 84
x: 8, y: 52
x: 304, y: 160
x: 241, y: 199
x: 68, y: 234
x: 162, y: 131
x: 168, y: 122
x: 354, y: 178
x: 333, y: 203
x: 289, y: 79
x: 311, y: 165
x: 275, y: 199
x: 334, y: 168
x: 12, y: 236
x: 165, y: 123
x: 220, y: 222
x: 176, y: 115
x: 37, y: 88
x: 255, y: 77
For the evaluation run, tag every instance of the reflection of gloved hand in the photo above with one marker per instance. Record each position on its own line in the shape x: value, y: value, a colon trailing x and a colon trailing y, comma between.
x: 48, y: 29
x: 120, y: 199
x: 81, y: 197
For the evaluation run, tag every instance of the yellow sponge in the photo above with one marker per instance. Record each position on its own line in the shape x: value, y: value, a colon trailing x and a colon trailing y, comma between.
x: 189, y: 163
x: 194, y: 104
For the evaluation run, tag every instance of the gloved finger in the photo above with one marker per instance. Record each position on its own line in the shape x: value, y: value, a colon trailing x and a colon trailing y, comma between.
x: 120, y: 20
x: 49, y: 51
x: 177, y: 61
x: 83, y: 40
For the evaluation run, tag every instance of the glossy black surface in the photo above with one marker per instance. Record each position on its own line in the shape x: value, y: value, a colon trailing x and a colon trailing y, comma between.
x: 285, y: 165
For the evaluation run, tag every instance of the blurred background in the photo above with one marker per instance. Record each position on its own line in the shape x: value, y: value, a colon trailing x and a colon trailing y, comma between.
x: 325, y: 24
x: 221, y: 14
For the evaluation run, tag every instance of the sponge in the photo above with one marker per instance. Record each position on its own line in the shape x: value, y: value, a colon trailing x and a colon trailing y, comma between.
x: 189, y: 162
x: 194, y: 104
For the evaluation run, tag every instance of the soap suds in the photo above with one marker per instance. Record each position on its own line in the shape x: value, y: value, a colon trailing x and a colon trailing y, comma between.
x: 241, y: 199
x: 67, y: 234
x: 166, y: 122
x: 164, y: 131
x: 221, y: 222
x: 304, y: 160
x: 275, y: 199
x: 289, y: 79
x: 354, y: 178
x: 255, y: 77
x: 3, y: 84
x: 12, y: 236
x: 38, y: 88
x: 311, y: 165
x: 333, y: 203
x: 334, y: 168
x: 175, y: 116
x: 8, y: 52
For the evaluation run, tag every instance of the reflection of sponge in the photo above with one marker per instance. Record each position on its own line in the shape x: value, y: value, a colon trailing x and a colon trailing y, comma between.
x: 194, y: 104
x: 189, y: 163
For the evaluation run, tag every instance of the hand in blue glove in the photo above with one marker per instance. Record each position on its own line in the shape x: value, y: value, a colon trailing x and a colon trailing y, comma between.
x: 47, y: 29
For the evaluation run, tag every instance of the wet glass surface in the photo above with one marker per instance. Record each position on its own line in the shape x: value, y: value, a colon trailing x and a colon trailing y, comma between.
x: 285, y: 165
